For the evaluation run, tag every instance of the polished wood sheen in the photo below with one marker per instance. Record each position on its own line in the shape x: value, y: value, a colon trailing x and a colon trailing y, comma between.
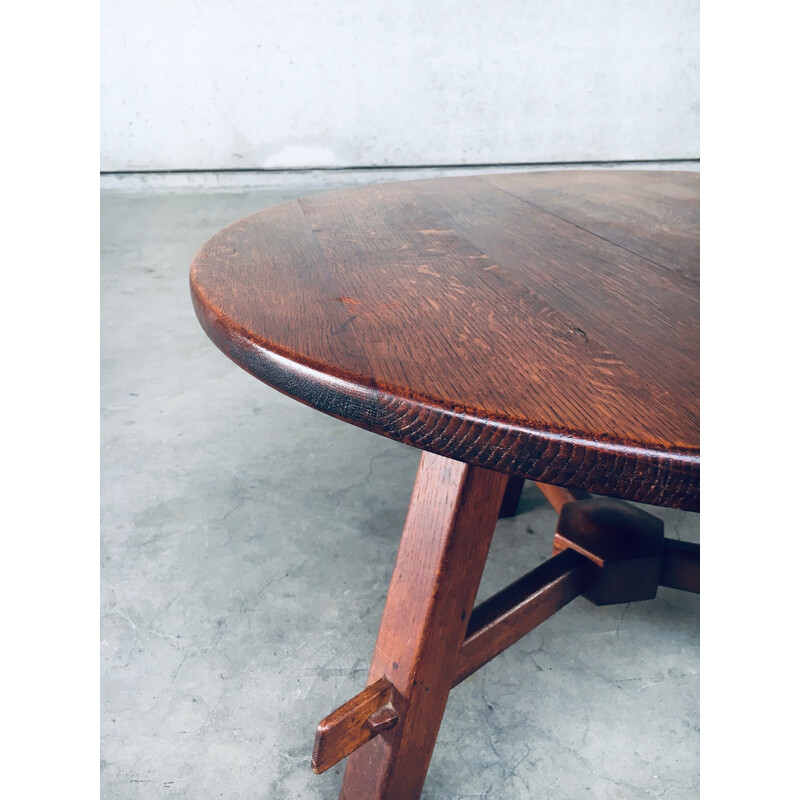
x: 544, y: 325
x: 449, y: 527
x: 354, y: 724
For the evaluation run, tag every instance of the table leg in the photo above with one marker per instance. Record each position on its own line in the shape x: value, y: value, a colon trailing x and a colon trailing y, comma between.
x: 557, y: 496
x: 508, y: 508
x: 441, y: 557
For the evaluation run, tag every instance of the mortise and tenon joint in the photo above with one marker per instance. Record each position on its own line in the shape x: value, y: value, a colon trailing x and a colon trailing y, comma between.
x: 606, y: 550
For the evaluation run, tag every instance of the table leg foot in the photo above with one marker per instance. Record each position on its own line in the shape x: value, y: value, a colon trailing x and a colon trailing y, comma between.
x: 441, y: 557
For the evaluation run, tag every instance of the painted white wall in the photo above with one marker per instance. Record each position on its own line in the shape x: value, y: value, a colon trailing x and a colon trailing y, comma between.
x: 216, y: 84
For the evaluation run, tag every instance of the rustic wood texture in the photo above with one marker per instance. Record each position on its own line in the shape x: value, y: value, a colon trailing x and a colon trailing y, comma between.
x: 444, y: 545
x: 353, y: 724
x: 516, y: 610
x: 543, y: 325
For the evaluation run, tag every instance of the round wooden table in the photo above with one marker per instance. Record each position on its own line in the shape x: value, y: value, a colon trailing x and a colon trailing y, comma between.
x: 522, y: 325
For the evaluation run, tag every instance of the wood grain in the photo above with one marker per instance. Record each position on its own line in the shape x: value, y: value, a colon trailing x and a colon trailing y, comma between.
x: 353, y: 724
x: 516, y: 610
x: 543, y: 325
x: 445, y: 541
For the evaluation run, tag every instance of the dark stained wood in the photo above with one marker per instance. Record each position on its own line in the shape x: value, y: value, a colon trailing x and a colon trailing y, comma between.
x: 508, y: 508
x: 656, y: 218
x: 446, y: 538
x: 623, y: 545
x: 543, y: 325
x: 680, y: 566
x: 383, y: 719
x: 557, y: 496
x: 516, y: 610
x: 353, y: 724
x: 607, y: 550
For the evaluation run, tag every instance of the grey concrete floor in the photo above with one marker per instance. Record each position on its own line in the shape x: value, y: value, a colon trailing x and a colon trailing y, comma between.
x: 247, y: 545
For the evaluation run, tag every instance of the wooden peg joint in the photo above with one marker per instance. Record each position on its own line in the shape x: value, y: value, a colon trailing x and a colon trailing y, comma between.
x: 606, y: 550
x: 352, y: 725
x: 383, y: 719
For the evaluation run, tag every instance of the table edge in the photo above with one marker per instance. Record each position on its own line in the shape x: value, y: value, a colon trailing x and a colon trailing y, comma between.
x: 629, y: 472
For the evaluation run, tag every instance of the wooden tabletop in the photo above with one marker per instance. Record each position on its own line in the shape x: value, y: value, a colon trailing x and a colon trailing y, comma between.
x: 540, y: 324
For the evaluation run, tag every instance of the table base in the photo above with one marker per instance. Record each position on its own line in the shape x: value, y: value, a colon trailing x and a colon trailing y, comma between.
x: 431, y: 638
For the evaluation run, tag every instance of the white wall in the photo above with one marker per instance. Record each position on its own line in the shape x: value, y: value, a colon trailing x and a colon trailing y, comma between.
x: 214, y: 84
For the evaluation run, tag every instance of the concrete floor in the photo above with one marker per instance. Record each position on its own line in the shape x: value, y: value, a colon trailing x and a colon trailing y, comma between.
x: 247, y: 545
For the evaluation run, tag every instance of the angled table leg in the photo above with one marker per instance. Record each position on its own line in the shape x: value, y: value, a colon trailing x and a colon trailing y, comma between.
x: 442, y: 553
x: 557, y: 496
x: 508, y: 508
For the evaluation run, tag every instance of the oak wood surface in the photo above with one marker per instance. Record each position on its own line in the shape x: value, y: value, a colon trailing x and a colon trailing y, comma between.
x: 353, y: 724
x: 445, y: 541
x: 507, y: 616
x: 544, y: 325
